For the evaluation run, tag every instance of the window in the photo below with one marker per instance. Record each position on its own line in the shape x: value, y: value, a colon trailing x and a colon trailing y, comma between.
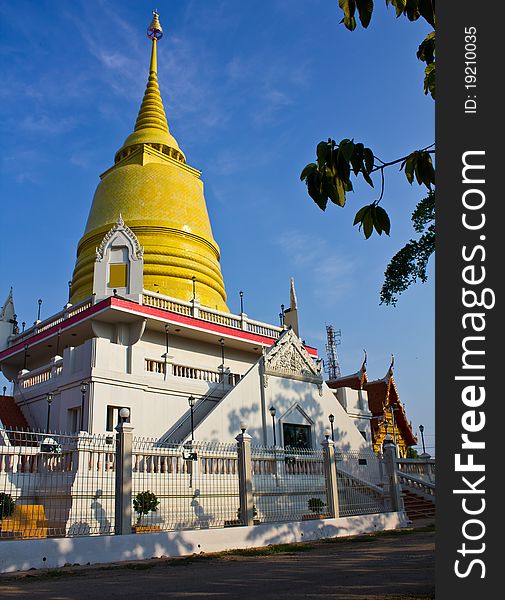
x: 113, y: 417
x: 74, y: 419
x: 296, y: 436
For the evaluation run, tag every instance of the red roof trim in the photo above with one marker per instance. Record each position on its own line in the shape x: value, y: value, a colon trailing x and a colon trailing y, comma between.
x: 120, y: 303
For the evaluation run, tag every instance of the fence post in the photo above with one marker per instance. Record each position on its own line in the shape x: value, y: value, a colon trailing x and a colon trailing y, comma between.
x: 330, y: 476
x: 245, y: 477
x: 395, y: 492
x: 123, y: 497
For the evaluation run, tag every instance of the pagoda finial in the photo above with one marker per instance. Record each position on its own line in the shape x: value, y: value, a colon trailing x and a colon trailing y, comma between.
x: 363, y: 366
x: 155, y: 31
x: 152, y: 113
x: 151, y: 127
x: 390, y: 370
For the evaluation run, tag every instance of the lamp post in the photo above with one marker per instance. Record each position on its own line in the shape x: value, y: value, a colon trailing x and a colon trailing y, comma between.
x: 221, y: 341
x: 193, y: 279
x: 421, y: 429
x: 241, y: 301
x: 49, y: 399
x: 39, y: 301
x: 191, y: 402
x: 273, y: 412
x: 4, y: 389
x: 69, y: 290
x: 331, y: 419
x: 84, y: 387
x: 25, y: 356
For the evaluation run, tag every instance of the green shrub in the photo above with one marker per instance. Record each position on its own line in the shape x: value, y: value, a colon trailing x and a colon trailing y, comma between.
x: 7, y: 505
x: 144, y: 503
x: 316, y: 505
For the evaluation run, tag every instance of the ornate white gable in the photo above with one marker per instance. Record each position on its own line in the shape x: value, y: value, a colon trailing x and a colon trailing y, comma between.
x: 120, y: 227
x: 288, y: 358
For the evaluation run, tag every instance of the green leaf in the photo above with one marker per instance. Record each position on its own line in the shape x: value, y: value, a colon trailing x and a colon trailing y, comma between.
x: 347, y: 149
x: 321, y: 152
x: 427, y: 11
x: 376, y: 224
x: 341, y: 192
x: 357, y: 158
x: 368, y: 223
x: 412, y: 10
x: 368, y: 158
x: 383, y: 219
x: 409, y: 165
x: 349, y: 8
x: 360, y: 214
x: 426, y: 50
x: 367, y: 178
x: 365, y: 10
x: 307, y: 170
x: 429, y: 80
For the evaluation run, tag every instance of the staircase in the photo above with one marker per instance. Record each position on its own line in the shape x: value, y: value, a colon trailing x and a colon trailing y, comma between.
x: 416, y: 506
x: 205, y: 405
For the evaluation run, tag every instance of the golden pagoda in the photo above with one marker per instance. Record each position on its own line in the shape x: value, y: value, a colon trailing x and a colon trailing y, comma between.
x: 160, y: 198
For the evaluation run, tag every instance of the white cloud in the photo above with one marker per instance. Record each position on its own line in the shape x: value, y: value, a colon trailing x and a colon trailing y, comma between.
x: 330, y: 276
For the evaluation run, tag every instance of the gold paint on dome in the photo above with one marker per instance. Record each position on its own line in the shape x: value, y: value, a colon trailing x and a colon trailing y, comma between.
x: 161, y: 199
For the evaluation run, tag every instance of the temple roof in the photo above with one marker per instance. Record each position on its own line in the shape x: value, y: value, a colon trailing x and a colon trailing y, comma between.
x: 356, y: 381
x: 382, y: 395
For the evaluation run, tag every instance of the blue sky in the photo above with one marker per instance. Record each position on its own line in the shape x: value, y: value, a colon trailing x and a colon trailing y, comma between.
x: 249, y: 89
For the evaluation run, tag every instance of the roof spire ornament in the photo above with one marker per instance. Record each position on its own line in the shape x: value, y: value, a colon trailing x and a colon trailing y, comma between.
x: 154, y: 31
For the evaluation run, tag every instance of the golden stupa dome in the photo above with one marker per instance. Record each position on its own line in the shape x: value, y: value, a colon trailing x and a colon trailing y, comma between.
x: 161, y: 200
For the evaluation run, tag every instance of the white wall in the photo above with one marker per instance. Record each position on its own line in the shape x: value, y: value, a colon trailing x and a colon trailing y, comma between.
x: 56, y: 552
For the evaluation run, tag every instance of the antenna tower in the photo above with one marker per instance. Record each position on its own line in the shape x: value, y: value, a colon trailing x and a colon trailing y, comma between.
x: 333, y: 340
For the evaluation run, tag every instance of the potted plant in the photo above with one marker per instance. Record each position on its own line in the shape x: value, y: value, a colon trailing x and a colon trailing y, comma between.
x: 143, y: 504
x: 316, y: 506
x: 7, y: 505
x: 238, y: 521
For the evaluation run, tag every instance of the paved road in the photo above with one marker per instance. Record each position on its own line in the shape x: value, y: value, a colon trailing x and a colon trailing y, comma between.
x: 394, y: 566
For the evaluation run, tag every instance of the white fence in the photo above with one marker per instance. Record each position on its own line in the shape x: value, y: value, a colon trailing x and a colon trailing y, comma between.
x: 66, y: 485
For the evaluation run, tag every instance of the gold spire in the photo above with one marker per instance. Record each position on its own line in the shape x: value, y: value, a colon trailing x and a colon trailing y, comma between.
x: 161, y: 199
x: 151, y: 126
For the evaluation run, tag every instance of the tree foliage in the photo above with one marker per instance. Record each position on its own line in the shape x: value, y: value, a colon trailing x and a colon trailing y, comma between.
x: 330, y: 178
x: 337, y: 164
x: 409, y: 264
x: 412, y: 10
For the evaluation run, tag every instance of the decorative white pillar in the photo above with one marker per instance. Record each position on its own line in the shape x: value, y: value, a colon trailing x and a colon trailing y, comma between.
x: 123, y: 497
x: 245, y: 477
x: 330, y: 477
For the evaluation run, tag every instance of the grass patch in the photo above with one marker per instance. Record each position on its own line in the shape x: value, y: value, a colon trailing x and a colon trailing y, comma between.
x: 140, y: 566
x: 368, y: 537
x: 268, y: 550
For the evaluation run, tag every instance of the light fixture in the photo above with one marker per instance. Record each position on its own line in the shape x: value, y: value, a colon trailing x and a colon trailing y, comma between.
x: 124, y: 414
x: 49, y: 398
x: 273, y: 412
x: 331, y: 419
x: 243, y: 426
x: 84, y: 387
x: 191, y: 402
x: 327, y: 434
